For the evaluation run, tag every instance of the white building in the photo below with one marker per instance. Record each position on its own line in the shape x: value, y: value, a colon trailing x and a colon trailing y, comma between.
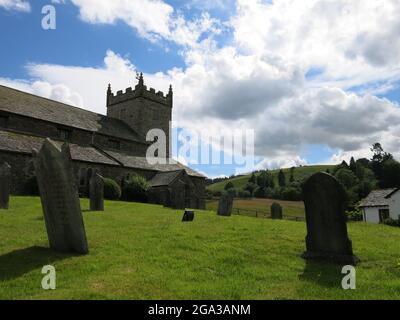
x: 381, y: 205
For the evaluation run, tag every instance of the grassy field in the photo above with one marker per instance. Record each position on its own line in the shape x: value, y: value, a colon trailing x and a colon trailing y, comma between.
x: 262, y: 206
x: 142, y: 251
x: 299, y: 174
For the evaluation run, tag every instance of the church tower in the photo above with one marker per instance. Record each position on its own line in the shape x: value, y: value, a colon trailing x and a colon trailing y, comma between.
x: 142, y: 109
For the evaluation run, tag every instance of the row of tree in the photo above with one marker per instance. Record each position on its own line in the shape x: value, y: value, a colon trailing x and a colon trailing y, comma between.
x: 359, y: 178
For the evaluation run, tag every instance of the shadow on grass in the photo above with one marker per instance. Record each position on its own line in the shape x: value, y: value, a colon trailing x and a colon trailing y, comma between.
x: 20, y: 262
x: 322, y: 273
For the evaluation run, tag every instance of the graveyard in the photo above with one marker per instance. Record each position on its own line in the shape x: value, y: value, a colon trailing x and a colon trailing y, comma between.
x: 142, y: 251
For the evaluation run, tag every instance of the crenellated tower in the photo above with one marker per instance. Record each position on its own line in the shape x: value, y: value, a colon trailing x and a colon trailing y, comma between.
x: 142, y: 109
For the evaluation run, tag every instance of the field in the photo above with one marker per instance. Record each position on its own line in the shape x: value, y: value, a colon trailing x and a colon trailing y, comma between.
x: 299, y: 174
x: 140, y: 251
x: 262, y: 207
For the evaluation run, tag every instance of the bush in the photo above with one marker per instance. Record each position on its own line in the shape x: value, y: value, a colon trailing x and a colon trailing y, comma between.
x: 217, y: 193
x: 112, y: 191
x: 31, y: 187
x: 291, y: 194
x: 355, y: 215
x: 136, y: 189
x: 232, y: 192
x: 229, y: 185
x: 244, y: 194
x: 260, y: 193
x: 392, y: 222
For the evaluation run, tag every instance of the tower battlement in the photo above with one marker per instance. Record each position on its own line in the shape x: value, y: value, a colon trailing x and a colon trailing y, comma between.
x: 140, y: 91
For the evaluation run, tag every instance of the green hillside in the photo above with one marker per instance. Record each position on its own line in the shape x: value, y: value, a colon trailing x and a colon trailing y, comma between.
x: 299, y: 173
x: 140, y: 251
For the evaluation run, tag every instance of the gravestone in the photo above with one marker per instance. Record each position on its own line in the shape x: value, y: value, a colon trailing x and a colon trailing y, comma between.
x: 5, y: 183
x: 325, y: 204
x: 276, y: 211
x: 59, y: 196
x: 96, y: 192
x: 225, y: 205
x: 188, y: 216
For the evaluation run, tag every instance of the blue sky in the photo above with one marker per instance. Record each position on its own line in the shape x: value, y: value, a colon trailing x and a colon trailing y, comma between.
x: 232, y: 64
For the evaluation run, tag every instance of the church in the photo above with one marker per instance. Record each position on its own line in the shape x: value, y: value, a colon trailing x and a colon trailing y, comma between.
x: 114, y: 145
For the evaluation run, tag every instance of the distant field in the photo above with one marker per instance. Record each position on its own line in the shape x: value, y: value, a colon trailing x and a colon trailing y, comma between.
x: 262, y: 207
x: 299, y: 174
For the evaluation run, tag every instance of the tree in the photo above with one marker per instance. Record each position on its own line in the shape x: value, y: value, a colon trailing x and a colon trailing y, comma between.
x: 347, y: 178
x: 253, y: 178
x: 250, y: 187
x: 281, y: 179
x: 262, y: 179
x: 390, y: 176
x: 353, y: 165
x: 229, y: 185
x: 378, y: 159
x: 291, y: 179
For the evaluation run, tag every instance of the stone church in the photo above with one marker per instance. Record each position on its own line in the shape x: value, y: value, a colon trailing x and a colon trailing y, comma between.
x: 114, y: 145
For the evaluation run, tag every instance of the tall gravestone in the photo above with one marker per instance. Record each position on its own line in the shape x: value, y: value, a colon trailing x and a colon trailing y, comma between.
x: 96, y: 192
x: 325, y: 204
x: 5, y: 183
x: 59, y: 196
x: 276, y: 211
x: 225, y: 205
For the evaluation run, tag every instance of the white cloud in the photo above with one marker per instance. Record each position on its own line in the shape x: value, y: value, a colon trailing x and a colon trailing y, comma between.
x: 17, y: 5
x: 152, y: 19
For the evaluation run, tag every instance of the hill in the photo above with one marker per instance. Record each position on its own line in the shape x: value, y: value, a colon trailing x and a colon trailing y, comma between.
x: 299, y: 174
x: 140, y: 251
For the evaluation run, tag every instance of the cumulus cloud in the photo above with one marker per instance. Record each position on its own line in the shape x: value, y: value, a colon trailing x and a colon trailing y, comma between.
x: 17, y: 5
x: 152, y: 19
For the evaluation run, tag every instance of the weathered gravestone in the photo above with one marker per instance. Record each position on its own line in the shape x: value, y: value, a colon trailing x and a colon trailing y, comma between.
x: 5, y: 182
x: 96, y: 192
x: 276, y: 211
x: 60, y: 201
x: 325, y: 204
x: 188, y: 216
x: 225, y: 205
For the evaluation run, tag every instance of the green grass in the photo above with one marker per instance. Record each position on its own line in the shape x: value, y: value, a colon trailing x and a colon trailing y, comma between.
x: 262, y: 206
x: 142, y: 251
x: 299, y: 174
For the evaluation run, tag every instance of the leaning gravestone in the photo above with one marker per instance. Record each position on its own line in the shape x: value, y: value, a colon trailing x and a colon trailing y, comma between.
x: 325, y: 204
x: 96, y: 192
x: 276, y: 211
x: 60, y: 201
x: 225, y: 205
x: 5, y: 182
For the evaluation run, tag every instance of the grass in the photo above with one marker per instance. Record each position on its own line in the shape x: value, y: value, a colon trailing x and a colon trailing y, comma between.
x: 142, y: 251
x: 263, y: 206
x: 299, y: 174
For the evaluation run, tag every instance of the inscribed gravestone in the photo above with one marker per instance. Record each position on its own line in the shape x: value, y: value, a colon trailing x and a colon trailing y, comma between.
x: 96, y: 192
x: 225, y: 205
x: 325, y: 204
x: 5, y: 182
x: 276, y: 211
x: 59, y: 196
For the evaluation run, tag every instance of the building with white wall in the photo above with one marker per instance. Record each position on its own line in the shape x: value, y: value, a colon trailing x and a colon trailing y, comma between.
x: 381, y: 205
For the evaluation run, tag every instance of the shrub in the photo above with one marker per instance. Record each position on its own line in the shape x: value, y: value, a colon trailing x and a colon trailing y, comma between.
x: 260, y: 192
x: 232, y: 192
x: 217, y: 193
x: 355, y: 215
x: 250, y: 187
x: 112, y: 191
x: 392, y: 222
x: 135, y: 189
x: 229, y: 185
x: 244, y: 194
x: 31, y: 187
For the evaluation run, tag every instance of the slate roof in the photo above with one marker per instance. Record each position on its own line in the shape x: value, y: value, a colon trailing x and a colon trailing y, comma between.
x: 142, y: 163
x: 20, y: 143
x: 164, y: 178
x: 377, y: 198
x: 25, y: 104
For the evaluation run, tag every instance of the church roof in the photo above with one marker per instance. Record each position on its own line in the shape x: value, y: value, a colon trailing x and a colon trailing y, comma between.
x: 143, y: 163
x: 165, y: 178
x: 23, y: 143
x: 29, y: 105
x: 20, y: 143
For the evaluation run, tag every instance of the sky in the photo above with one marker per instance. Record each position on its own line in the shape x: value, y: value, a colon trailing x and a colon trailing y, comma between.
x: 318, y: 81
